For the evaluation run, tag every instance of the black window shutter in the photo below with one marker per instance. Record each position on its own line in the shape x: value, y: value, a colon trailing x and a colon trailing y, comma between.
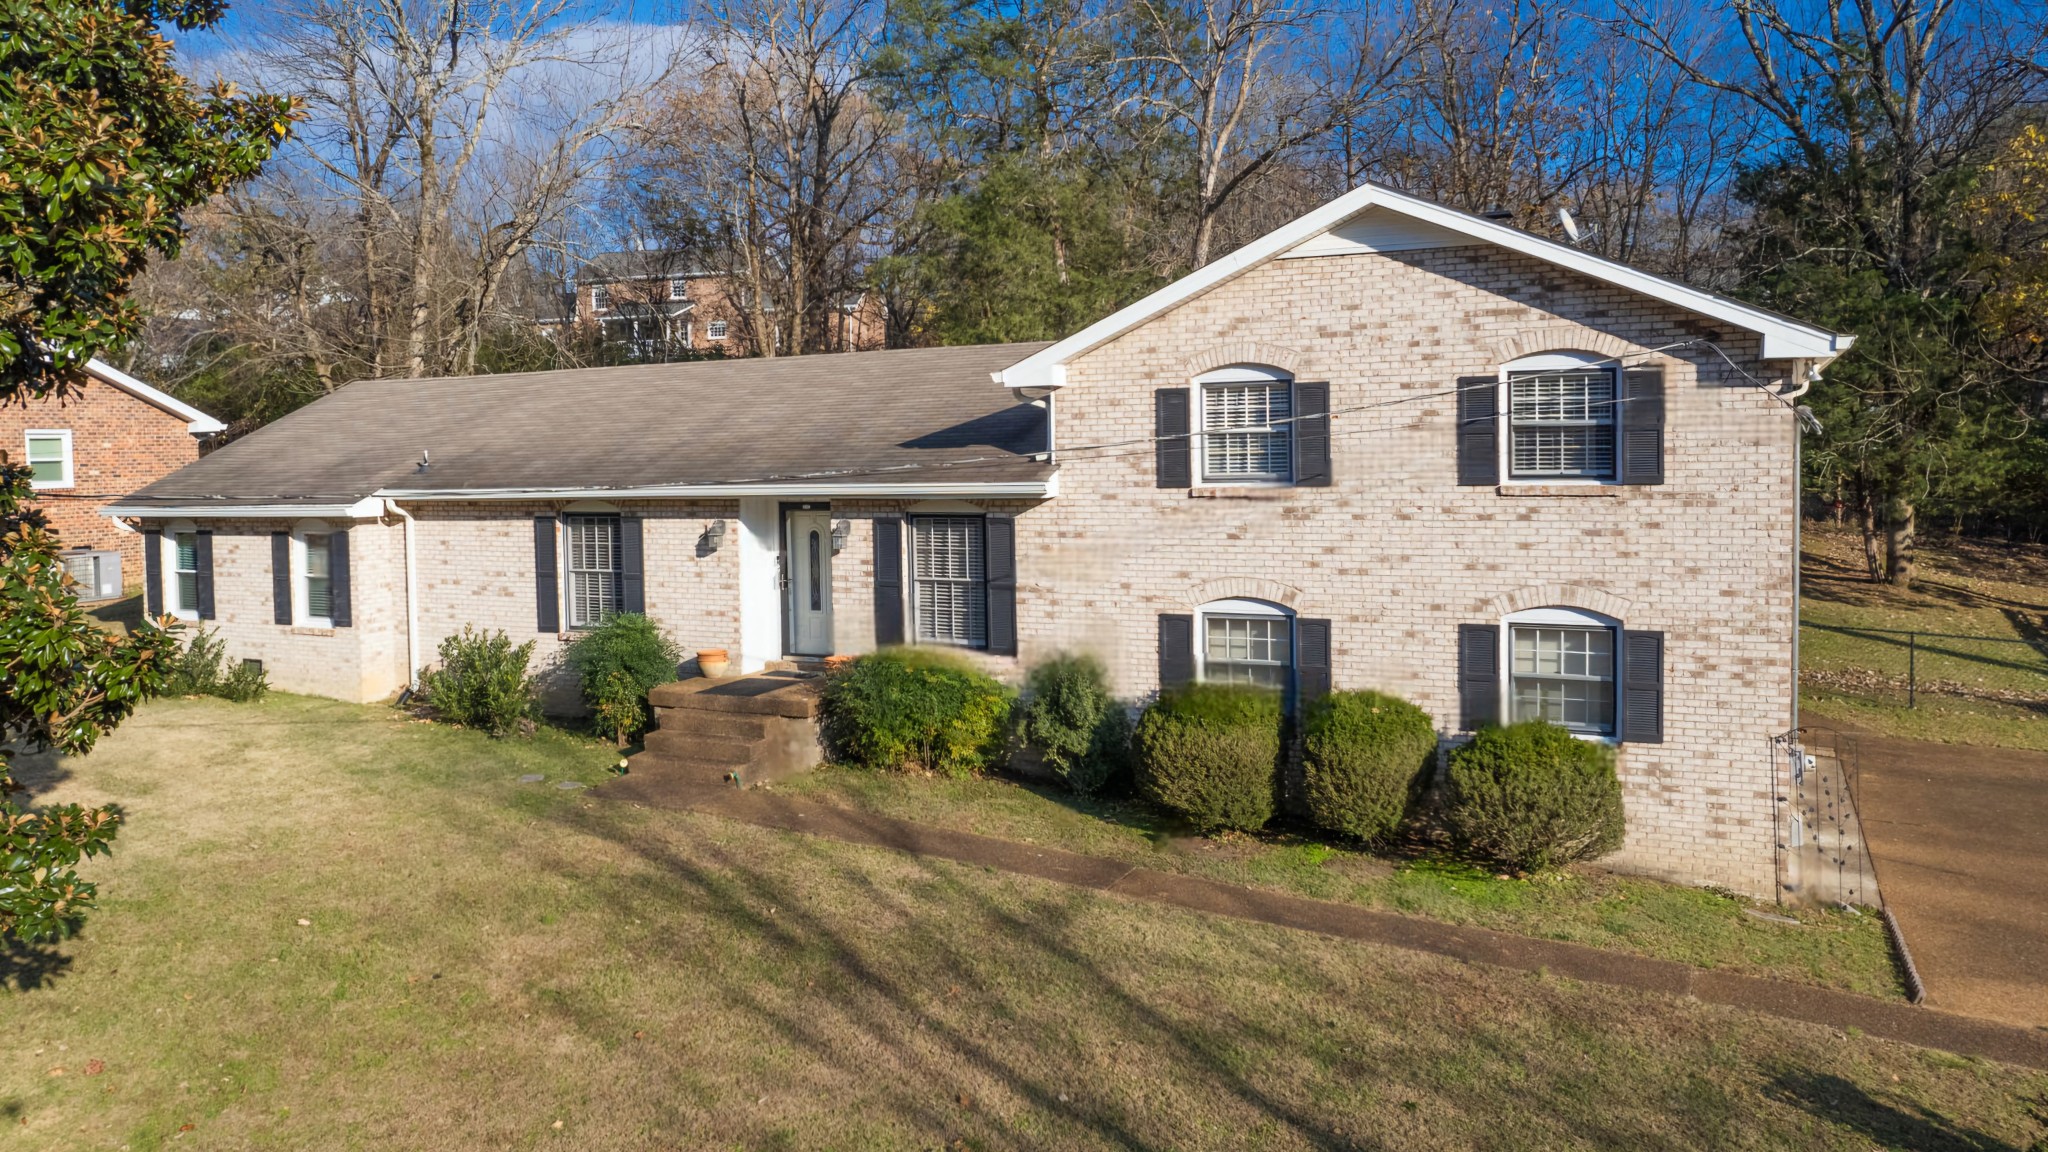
x: 1176, y: 651
x: 1171, y: 424
x: 1000, y: 534
x: 1312, y: 435
x: 281, y: 577
x: 1312, y: 659
x: 1642, y: 426
x: 888, y: 580
x: 632, y: 566
x: 153, y: 572
x: 341, y: 609
x: 1478, y: 676
x: 1642, y: 687
x: 202, y: 551
x: 547, y: 588
x: 1478, y: 442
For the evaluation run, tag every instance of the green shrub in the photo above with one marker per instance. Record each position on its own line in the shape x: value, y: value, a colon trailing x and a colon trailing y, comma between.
x: 905, y: 707
x: 1077, y: 727
x: 616, y: 664
x: 1366, y: 756
x: 1533, y: 796
x: 1211, y: 753
x: 200, y: 669
x: 481, y: 682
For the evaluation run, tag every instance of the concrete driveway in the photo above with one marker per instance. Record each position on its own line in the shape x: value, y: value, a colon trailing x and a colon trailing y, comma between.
x: 1960, y: 836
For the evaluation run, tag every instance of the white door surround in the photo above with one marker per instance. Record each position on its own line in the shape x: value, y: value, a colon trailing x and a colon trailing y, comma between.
x: 807, y: 579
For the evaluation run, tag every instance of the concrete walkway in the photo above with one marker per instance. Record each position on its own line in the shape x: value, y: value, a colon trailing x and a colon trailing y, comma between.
x: 1889, y: 1020
x: 1960, y: 836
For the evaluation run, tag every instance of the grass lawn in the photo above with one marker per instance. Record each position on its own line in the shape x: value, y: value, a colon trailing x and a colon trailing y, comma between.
x: 331, y: 928
x: 1971, y: 692
x: 1587, y: 905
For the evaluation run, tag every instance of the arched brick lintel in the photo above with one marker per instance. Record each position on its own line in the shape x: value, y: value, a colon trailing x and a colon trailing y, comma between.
x: 1243, y: 588
x: 1289, y: 360
x: 1558, y: 596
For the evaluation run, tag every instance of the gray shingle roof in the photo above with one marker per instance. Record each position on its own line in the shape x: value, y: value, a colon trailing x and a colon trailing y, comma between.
x: 898, y: 417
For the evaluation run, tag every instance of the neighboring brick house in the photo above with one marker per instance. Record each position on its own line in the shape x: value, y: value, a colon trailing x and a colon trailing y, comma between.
x: 102, y: 441
x: 1389, y: 445
x: 655, y: 306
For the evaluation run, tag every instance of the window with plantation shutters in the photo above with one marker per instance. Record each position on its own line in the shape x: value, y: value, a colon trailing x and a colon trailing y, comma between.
x: 1246, y: 431
x: 1561, y: 424
x: 949, y: 580
x: 593, y: 554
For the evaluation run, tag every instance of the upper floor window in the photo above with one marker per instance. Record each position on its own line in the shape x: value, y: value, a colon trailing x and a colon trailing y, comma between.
x: 715, y: 330
x: 592, y: 544
x: 1246, y: 642
x: 1561, y: 411
x: 600, y: 298
x: 1561, y: 669
x: 1246, y: 422
x: 949, y: 580
x: 49, y: 458
x: 678, y: 288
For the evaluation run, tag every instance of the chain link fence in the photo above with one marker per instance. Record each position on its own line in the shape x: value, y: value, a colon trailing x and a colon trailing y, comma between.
x: 1904, y: 667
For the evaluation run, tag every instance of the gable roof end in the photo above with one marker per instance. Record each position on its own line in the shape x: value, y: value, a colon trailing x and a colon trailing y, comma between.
x: 1783, y: 337
x: 196, y: 422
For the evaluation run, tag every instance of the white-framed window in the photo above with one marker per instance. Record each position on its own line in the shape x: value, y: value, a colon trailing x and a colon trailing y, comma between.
x: 181, y: 570
x: 49, y: 458
x: 1247, y: 430
x: 313, y: 575
x: 714, y: 330
x: 591, y: 544
x: 1561, y: 667
x: 600, y: 298
x: 678, y: 288
x: 949, y: 580
x: 1561, y: 417
x: 1245, y: 642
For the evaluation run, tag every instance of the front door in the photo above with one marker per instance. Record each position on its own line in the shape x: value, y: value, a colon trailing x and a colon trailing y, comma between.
x: 807, y: 559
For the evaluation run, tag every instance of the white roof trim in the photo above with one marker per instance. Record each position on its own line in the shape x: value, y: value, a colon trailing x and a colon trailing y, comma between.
x: 368, y: 508
x: 1783, y: 339
x: 196, y: 422
x: 793, y: 489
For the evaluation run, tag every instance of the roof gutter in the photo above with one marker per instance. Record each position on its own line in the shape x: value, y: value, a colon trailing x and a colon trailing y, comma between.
x: 368, y: 508
x: 811, y: 489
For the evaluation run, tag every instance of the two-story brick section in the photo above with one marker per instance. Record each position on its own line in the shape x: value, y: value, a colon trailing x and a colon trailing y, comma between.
x: 651, y: 305
x: 93, y: 444
x: 1389, y: 445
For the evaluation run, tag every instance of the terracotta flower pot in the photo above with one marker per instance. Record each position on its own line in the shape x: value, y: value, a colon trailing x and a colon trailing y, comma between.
x: 712, y: 662
x: 834, y: 665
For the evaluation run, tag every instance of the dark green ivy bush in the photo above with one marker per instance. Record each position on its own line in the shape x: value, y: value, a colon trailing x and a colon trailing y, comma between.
x: 1366, y: 757
x: 1078, y: 729
x: 1211, y: 754
x: 200, y: 669
x: 616, y: 664
x: 1532, y: 796
x: 916, y: 708
x: 481, y: 682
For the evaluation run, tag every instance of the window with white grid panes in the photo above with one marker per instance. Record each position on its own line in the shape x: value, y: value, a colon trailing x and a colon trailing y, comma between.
x: 1246, y: 434
x: 1561, y: 424
x: 949, y: 580
x: 592, y: 547
x: 1255, y: 650
x: 1562, y: 674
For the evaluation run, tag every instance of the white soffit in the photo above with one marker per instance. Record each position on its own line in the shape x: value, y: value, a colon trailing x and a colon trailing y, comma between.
x: 1378, y: 230
x: 1782, y: 337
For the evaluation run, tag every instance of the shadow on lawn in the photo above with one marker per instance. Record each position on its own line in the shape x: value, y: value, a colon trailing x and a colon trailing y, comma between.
x: 1896, y: 1124
x: 27, y: 967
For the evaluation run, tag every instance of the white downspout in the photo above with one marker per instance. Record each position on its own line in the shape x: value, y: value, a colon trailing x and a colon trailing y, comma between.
x: 412, y: 619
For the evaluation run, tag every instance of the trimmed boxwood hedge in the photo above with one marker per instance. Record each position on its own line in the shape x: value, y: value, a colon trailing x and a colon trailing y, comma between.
x: 1533, y: 796
x: 1211, y: 753
x: 916, y: 708
x: 1079, y: 730
x: 1366, y: 757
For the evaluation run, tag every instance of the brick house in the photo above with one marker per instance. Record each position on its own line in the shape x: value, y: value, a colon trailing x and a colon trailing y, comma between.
x: 655, y: 305
x: 1389, y: 445
x: 93, y: 445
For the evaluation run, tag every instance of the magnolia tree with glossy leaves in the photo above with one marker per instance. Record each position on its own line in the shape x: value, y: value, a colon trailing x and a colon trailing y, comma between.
x: 103, y: 147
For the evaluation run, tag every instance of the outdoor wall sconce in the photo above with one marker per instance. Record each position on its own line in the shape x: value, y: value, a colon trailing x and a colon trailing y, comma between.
x: 713, y: 537
x: 840, y: 530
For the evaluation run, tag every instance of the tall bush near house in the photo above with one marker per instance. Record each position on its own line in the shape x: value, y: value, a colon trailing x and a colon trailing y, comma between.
x: 1533, y: 796
x: 1211, y: 753
x: 1366, y: 756
x: 482, y: 681
x: 200, y: 669
x: 1079, y: 730
x: 617, y: 664
x: 910, y: 707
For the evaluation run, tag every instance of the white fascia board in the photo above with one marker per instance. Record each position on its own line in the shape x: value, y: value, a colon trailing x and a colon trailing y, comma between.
x: 368, y: 508
x: 196, y: 422
x: 795, y: 490
x: 1783, y: 339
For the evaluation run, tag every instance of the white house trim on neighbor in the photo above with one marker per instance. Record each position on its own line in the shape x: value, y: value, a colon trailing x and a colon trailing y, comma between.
x: 196, y: 422
x: 1783, y: 338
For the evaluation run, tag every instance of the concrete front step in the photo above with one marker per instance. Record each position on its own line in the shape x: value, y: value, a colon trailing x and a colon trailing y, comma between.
x: 721, y: 725
x: 773, y: 694
x: 694, y: 748
x: 652, y: 775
